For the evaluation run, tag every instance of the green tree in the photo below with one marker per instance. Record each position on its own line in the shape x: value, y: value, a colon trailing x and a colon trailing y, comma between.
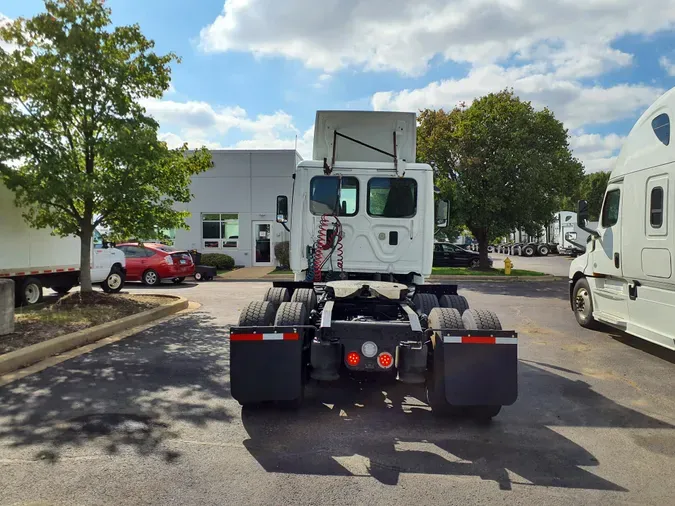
x: 75, y: 145
x: 507, y: 164
x: 592, y: 189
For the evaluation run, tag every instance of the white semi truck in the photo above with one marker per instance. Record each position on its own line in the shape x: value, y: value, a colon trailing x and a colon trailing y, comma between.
x: 362, y: 235
x: 36, y: 259
x: 568, y: 236
x: 626, y: 278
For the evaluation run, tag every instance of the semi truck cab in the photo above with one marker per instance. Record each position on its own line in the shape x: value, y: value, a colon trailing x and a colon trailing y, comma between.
x: 362, y: 225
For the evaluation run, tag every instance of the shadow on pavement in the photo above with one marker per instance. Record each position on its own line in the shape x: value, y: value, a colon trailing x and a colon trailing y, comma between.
x: 383, y: 431
x: 130, y: 394
x: 642, y: 345
x: 537, y: 289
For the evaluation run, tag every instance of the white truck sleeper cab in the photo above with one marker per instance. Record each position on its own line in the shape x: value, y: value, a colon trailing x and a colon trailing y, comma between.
x: 362, y: 238
x: 626, y: 278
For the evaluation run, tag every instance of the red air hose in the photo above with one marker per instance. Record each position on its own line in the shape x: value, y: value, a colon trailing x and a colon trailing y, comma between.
x: 340, y: 247
x: 320, y: 244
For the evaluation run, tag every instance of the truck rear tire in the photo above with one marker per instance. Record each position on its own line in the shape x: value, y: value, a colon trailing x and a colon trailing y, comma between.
x: 258, y: 313
x: 459, y: 302
x: 528, y: 251
x: 290, y: 314
x: 440, y: 318
x: 543, y: 250
x: 425, y: 302
x: 31, y: 292
x: 481, y: 319
x: 277, y: 295
x: 306, y: 296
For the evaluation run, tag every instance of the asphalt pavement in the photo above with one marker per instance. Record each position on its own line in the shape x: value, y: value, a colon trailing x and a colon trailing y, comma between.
x: 150, y: 420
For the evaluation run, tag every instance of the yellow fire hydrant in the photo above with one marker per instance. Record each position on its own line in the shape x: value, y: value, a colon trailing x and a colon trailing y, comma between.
x: 508, y: 264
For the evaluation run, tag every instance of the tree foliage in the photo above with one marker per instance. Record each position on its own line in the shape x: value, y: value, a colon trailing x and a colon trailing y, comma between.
x: 76, y: 146
x: 592, y: 189
x: 501, y: 163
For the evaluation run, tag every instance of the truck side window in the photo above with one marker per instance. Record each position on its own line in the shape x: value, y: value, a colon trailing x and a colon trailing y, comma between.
x: 610, y: 211
x: 329, y: 194
x: 656, y: 207
x: 661, y: 127
x: 390, y: 197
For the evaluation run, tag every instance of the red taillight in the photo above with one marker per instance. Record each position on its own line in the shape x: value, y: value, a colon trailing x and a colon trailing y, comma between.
x: 353, y: 359
x: 385, y: 360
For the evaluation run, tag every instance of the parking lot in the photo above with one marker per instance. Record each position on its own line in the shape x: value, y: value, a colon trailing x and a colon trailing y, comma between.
x: 149, y: 420
x: 558, y: 265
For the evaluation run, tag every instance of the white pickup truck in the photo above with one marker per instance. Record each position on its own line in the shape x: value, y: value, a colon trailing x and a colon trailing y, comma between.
x: 36, y: 259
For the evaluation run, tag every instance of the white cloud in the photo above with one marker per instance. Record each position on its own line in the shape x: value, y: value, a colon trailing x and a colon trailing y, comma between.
x: 596, y: 152
x: 323, y: 80
x: 269, y: 140
x: 199, y: 124
x: 668, y: 65
x: 404, y: 36
x: 571, y: 102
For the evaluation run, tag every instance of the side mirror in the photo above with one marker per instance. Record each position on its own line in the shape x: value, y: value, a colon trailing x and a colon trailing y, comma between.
x: 582, y: 213
x: 282, y: 209
x: 442, y: 213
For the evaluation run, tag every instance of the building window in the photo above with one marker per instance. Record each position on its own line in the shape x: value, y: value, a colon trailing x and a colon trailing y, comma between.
x: 656, y: 208
x: 661, y: 126
x: 220, y: 230
x: 327, y: 191
x: 610, y: 211
x: 390, y: 197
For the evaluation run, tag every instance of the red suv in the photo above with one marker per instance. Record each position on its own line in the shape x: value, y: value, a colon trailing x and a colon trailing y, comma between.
x: 150, y: 263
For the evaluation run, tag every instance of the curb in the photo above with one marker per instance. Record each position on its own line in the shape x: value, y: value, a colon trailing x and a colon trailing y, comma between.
x: 23, y: 357
x: 507, y: 279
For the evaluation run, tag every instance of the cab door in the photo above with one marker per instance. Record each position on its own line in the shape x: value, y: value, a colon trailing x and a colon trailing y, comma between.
x: 611, y: 290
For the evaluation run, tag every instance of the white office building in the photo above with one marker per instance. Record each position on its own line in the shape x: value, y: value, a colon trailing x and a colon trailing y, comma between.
x: 234, y: 205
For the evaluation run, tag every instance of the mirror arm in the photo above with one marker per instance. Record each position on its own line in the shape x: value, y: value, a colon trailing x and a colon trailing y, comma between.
x: 594, y: 233
x: 283, y: 223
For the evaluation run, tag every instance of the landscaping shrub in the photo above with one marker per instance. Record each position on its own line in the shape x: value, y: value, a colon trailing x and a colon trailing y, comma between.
x: 218, y: 260
x: 282, y: 252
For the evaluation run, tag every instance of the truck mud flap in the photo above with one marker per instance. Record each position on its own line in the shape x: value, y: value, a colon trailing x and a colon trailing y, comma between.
x: 480, y: 367
x: 266, y: 363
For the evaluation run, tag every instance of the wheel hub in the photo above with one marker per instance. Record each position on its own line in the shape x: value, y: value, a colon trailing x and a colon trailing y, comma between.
x: 114, y: 281
x: 582, y: 302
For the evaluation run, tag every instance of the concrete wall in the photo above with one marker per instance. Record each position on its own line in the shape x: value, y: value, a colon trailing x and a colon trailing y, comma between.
x: 246, y: 183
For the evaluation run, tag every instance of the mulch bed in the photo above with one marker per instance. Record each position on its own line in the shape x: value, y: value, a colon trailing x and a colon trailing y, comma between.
x: 73, y: 312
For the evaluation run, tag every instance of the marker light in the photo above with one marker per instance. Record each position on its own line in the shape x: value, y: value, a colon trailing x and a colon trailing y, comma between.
x: 385, y: 360
x: 369, y: 349
x: 353, y: 359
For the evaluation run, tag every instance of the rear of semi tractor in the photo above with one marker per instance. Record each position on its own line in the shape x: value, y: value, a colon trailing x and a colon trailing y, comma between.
x: 362, y: 225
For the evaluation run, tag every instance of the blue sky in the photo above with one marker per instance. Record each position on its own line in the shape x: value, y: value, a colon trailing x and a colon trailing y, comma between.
x: 254, y: 72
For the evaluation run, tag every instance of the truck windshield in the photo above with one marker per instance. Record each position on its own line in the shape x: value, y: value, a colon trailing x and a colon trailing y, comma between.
x: 390, y: 197
x: 327, y: 191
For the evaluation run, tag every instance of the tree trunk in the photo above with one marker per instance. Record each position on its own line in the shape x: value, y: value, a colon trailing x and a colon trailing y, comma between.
x: 482, y: 239
x: 85, y: 257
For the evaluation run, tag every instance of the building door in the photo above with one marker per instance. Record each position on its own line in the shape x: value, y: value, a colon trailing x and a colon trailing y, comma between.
x: 263, y: 248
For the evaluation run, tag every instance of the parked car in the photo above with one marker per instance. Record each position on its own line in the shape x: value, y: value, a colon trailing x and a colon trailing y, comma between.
x: 449, y: 255
x: 150, y: 263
